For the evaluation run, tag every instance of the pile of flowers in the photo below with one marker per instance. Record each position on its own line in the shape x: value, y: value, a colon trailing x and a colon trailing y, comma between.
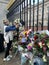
x: 36, y: 43
x: 41, y: 42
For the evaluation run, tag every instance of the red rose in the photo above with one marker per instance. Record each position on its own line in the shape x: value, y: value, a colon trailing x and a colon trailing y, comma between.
x: 35, y: 37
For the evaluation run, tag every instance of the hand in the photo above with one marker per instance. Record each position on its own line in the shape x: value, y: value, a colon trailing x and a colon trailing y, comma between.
x: 14, y: 23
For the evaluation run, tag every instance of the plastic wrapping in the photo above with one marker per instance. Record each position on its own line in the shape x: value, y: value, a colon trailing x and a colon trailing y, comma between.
x: 20, y: 48
x: 23, y: 58
x: 38, y: 61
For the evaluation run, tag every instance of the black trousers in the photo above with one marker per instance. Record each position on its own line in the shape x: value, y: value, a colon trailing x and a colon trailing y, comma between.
x: 8, y: 48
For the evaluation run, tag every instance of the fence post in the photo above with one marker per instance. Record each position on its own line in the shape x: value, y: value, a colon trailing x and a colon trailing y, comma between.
x: 20, y: 10
x: 33, y: 13
x: 42, y: 16
x: 30, y: 14
x: 27, y: 14
x: 37, y: 13
x: 24, y: 10
x: 48, y: 18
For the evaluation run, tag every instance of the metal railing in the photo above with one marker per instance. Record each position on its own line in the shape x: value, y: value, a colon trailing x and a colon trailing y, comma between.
x: 27, y: 14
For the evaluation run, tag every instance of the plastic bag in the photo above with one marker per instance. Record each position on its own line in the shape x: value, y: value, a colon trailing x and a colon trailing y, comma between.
x: 23, y: 58
x: 38, y: 61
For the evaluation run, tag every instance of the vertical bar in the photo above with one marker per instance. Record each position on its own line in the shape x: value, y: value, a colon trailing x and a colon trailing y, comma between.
x: 42, y: 16
x: 37, y: 13
x: 24, y: 10
x: 33, y: 15
x: 48, y: 18
x: 27, y: 14
x: 20, y: 10
x: 30, y: 15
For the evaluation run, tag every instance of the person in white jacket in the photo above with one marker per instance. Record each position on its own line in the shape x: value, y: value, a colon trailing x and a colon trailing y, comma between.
x: 8, y: 37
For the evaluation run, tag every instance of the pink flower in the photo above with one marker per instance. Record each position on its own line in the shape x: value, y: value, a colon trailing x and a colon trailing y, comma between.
x: 29, y: 47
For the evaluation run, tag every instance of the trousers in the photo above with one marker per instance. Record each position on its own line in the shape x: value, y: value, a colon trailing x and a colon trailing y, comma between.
x: 8, y: 48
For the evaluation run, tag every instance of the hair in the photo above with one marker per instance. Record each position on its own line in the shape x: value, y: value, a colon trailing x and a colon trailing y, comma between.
x: 4, y: 21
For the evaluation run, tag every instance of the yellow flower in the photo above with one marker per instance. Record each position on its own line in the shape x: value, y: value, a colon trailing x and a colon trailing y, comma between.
x: 24, y: 32
x: 48, y: 45
x: 44, y: 58
x: 30, y: 44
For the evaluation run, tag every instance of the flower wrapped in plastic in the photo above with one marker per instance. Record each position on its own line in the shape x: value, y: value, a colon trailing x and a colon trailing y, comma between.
x: 26, y: 56
x: 20, y: 48
x: 15, y: 47
x: 23, y: 58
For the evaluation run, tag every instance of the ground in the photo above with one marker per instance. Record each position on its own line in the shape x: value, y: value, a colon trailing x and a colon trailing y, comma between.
x: 13, y: 61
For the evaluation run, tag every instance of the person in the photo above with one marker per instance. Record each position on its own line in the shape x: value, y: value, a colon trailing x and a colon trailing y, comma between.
x: 8, y: 37
x: 17, y: 31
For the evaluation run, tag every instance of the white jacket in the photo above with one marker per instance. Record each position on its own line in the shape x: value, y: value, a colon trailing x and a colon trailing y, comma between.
x: 8, y: 36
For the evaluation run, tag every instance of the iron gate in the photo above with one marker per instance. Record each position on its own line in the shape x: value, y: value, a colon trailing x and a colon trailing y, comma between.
x: 32, y: 12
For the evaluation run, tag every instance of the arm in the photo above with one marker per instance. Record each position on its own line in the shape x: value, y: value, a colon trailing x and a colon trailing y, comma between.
x: 10, y: 28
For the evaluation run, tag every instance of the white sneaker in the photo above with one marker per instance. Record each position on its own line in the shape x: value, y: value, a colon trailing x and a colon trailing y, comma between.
x: 5, y: 59
x: 10, y: 56
x: 8, y: 59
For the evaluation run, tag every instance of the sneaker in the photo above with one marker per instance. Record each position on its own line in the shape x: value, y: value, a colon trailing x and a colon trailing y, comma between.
x: 8, y: 59
x: 10, y: 56
x: 5, y: 59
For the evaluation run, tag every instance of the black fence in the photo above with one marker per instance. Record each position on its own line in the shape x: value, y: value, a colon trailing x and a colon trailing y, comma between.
x: 31, y: 18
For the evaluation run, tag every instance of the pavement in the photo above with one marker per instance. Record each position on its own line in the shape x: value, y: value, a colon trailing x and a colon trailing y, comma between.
x: 14, y: 61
